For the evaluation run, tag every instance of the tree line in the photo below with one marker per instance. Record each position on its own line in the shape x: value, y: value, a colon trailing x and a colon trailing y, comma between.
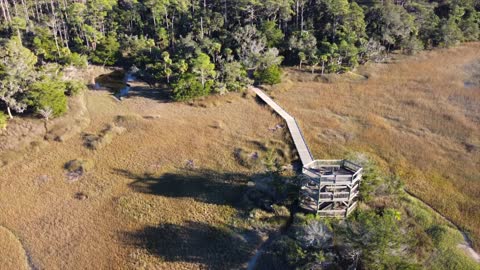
x: 198, y: 47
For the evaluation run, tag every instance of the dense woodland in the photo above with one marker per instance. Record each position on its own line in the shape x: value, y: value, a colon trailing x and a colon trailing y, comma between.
x: 198, y: 47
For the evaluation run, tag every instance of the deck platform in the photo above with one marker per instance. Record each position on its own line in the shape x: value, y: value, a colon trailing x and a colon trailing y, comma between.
x: 330, y: 187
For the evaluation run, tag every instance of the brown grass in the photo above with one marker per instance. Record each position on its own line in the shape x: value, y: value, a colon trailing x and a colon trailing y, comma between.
x: 13, y: 255
x: 415, y: 115
x: 140, y: 206
x: 143, y: 207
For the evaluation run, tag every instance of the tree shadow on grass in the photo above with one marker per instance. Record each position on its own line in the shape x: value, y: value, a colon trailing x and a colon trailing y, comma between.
x: 195, y: 242
x: 202, y: 185
x: 158, y: 94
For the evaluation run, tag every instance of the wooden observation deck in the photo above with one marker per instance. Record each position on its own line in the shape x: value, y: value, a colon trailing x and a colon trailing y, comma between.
x: 330, y: 187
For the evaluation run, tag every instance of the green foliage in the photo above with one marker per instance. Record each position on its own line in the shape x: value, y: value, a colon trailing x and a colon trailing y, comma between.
x: 189, y: 87
x: 390, y: 24
x: 470, y: 24
x: 74, y: 87
x: 167, y: 39
x: 304, y: 44
x: 76, y: 60
x: 18, y: 24
x: 342, y: 35
x: 273, y: 34
x: 17, y: 72
x: 235, y: 76
x: 107, y: 51
x: 450, y: 34
x: 412, y: 45
x: 3, y: 120
x: 203, y: 68
x: 48, y: 94
x: 377, y: 235
x: 271, y: 75
x: 446, y: 240
x: 44, y: 44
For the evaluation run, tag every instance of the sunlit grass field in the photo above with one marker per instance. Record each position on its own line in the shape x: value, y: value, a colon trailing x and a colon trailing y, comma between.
x: 419, y: 116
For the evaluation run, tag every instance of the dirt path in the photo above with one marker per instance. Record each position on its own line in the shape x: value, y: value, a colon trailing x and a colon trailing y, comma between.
x: 466, y: 246
x: 252, y: 263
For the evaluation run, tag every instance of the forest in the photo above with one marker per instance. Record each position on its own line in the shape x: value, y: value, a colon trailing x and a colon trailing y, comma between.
x: 195, y: 48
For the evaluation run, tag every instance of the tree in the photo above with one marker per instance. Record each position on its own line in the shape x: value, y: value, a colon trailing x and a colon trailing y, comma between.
x: 302, y: 57
x: 188, y: 87
x: 270, y: 75
x: 45, y: 47
x: 336, y: 34
x: 17, y: 72
x: 182, y: 66
x: 303, y: 43
x: 48, y: 94
x: 167, y: 63
x: 107, y: 51
x: 203, y: 68
x: 251, y: 44
x: 273, y: 34
x: 313, y: 60
x: 235, y: 76
x: 450, y: 33
x: 390, y: 24
x: 377, y: 235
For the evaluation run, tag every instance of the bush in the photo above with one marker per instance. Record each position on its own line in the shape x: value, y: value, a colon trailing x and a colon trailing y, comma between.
x: 73, y: 88
x: 271, y: 75
x: 189, y: 87
x: 449, y: 256
x: 104, y: 138
x: 46, y: 94
x: 76, y: 60
x: 79, y: 165
x: 3, y: 120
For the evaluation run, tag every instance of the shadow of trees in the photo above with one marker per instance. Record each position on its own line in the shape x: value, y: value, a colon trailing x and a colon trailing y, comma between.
x: 159, y: 94
x: 202, y: 185
x: 195, y: 242
x: 117, y: 83
x: 214, y: 247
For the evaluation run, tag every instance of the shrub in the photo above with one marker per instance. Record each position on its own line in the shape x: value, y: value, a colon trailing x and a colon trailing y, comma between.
x: 189, y: 87
x: 235, y: 76
x: 271, y: 75
x: 48, y: 93
x: 3, y: 120
x: 248, y: 158
x: 104, y: 138
x: 79, y: 165
x: 73, y: 87
x: 377, y: 235
x: 446, y: 240
x: 77, y: 60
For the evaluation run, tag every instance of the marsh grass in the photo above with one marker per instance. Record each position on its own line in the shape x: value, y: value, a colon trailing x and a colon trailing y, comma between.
x: 414, y: 115
x: 161, y: 221
x: 13, y: 254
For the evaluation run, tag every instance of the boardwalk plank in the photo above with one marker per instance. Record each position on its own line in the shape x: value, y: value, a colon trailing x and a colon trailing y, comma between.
x: 297, y: 136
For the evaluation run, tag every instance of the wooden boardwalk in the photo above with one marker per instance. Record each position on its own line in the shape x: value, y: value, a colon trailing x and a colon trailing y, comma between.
x: 297, y: 136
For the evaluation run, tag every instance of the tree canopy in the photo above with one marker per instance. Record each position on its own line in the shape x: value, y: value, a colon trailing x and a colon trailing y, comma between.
x: 221, y: 43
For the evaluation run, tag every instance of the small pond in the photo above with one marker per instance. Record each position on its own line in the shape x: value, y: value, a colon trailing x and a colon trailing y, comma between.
x: 117, y: 82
